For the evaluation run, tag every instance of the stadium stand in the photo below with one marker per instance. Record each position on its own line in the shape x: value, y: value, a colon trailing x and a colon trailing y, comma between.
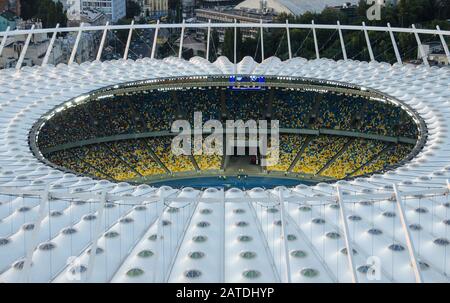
x: 289, y: 148
x: 154, y: 111
x: 162, y: 148
x: 318, y: 152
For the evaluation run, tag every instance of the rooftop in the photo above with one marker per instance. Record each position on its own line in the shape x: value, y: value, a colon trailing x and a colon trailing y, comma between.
x: 10, y: 16
x: 296, y: 7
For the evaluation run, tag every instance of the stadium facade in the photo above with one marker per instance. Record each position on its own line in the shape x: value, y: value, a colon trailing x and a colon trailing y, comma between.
x: 395, y: 223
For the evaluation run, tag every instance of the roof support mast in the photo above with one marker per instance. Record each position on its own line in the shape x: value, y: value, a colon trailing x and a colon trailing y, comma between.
x: 127, y: 47
x: 341, y: 38
x: 288, y: 39
x: 50, y: 46
x: 348, y: 243
x: 409, y: 243
x: 423, y: 55
x: 180, y: 51
x: 75, y: 46
x: 369, y: 46
x: 316, y: 44
x: 5, y: 37
x: 155, y: 38
x: 262, y: 39
x: 444, y: 44
x: 394, y: 45
x: 208, y: 39
x: 102, y: 42
x: 235, y: 50
x: 24, y: 50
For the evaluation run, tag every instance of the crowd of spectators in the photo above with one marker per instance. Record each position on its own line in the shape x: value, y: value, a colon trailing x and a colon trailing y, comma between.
x: 391, y: 156
x: 358, y: 153
x: 162, y: 147
x: 154, y: 111
x: 290, y: 145
x: 129, y: 159
x: 151, y: 111
x: 317, y: 153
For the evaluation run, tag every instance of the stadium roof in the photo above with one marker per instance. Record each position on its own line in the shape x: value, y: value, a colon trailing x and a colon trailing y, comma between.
x: 296, y: 7
x: 164, y: 234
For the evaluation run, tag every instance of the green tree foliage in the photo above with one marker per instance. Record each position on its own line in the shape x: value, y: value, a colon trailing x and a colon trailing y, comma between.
x: 48, y: 11
x: 173, y: 4
x: 422, y: 13
x: 228, y: 44
x: 214, y: 44
x: 133, y: 9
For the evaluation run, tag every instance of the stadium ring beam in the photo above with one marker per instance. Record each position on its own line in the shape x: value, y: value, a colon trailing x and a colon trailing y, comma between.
x: 222, y: 81
x: 59, y: 227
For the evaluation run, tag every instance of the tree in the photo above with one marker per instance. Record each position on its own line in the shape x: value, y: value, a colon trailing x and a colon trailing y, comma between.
x: 133, y: 9
x: 48, y: 11
x: 172, y: 4
x: 228, y: 44
x: 213, y: 45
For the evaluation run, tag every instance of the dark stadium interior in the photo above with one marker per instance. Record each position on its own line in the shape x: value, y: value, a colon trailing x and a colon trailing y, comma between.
x: 325, y: 134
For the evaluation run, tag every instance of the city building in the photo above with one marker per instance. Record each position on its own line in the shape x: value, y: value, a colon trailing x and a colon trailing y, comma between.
x: 155, y: 8
x: 435, y: 53
x: 11, y: 5
x: 113, y: 9
x: 214, y: 3
x: 61, y: 51
x: 8, y: 19
x: 73, y: 9
x: 3, y: 5
x: 93, y: 17
x: 36, y: 49
x: 230, y: 15
x: 348, y: 9
x: 294, y: 7
x: 193, y: 45
x: 15, y: 6
x: 89, y: 16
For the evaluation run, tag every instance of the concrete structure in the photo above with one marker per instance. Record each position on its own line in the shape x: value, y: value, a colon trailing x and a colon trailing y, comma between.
x: 155, y: 8
x: 388, y: 227
x: 230, y: 15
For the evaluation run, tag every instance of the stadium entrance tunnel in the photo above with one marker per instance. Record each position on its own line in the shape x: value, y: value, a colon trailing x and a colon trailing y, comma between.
x: 327, y: 131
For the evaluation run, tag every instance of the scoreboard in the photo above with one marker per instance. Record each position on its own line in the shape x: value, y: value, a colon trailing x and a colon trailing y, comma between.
x: 246, y: 82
